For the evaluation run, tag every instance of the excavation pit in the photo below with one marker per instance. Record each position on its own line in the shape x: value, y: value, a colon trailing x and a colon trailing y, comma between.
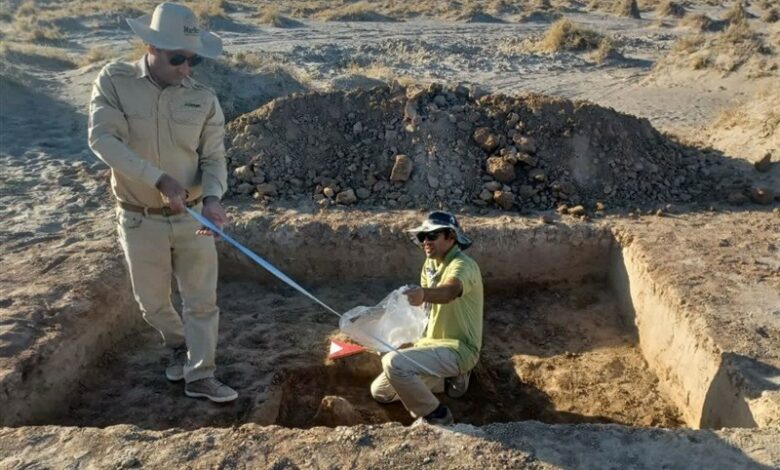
x: 572, y: 335
x: 556, y: 354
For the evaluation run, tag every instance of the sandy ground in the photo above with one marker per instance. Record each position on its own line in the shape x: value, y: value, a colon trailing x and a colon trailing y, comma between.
x: 61, y: 268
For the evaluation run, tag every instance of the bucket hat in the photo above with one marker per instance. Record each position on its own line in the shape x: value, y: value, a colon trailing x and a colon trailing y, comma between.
x: 174, y: 27
x: 438, y: 220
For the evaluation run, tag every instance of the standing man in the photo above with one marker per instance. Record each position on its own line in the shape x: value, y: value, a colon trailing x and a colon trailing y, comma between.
x: 451, y: 289
x: 162, y: 134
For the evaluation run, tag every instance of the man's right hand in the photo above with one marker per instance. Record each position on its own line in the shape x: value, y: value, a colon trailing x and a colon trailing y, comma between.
x: 415, y: 295
x: 174, y: 195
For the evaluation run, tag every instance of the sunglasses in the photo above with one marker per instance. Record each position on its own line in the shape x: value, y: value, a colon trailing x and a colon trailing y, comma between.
x: 178, y: 59
x: 430, y: 236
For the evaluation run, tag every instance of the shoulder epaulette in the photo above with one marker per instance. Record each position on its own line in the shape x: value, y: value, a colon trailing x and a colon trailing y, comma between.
x: 119, y: 68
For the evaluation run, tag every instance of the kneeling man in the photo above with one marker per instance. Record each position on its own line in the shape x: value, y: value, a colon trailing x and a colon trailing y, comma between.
x: 452, y: 294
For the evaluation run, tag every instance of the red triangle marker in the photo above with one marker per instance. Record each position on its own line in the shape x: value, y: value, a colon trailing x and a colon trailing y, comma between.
x: 339, y: 349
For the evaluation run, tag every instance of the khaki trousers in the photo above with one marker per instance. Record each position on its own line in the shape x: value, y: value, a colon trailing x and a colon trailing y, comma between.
x: 157, y: 247
x: 406, y: 381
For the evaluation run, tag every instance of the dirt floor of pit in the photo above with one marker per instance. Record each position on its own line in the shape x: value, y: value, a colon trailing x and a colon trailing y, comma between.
x: 560, y: 354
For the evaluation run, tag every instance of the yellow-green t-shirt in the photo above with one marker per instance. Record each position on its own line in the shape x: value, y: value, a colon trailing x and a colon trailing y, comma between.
x: 458, y: 324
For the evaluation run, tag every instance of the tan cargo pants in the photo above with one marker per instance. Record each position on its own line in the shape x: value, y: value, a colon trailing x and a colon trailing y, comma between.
x: 157, y: 247
x: 406, y: 381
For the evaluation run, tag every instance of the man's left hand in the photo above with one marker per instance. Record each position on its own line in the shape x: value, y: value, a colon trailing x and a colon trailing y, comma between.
x: 213, y: 210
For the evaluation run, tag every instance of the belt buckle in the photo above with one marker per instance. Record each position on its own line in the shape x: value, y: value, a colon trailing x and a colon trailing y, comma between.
x: 166, y: 211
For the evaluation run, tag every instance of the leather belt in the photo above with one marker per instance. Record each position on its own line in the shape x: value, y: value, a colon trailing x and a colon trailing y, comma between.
x: 165, y: 210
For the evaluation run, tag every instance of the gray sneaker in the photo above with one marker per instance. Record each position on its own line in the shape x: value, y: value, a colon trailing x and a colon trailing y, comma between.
x: 175, y: 370
x: 456, y: 387
x: 210, y: 388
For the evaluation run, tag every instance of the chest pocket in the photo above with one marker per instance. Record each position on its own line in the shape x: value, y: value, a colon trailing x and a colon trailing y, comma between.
x: 188, y: 116
x: 189, y: 111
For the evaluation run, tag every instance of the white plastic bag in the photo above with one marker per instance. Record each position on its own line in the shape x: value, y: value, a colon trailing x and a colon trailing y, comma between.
x: 393, y: 321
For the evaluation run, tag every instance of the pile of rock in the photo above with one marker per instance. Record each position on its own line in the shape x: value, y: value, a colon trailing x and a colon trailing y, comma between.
x: 449, y: 146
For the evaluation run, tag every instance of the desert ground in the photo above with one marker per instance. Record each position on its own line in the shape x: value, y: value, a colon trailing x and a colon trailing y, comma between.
x: 616, y: 163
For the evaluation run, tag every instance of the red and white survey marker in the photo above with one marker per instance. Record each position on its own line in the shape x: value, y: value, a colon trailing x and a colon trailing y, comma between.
x: 339, y: 349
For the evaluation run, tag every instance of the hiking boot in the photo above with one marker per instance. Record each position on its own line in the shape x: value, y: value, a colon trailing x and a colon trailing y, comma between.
x: 456, y: 387
x: 175, y: 370
x: 210, y: 388
x: 441, y: 416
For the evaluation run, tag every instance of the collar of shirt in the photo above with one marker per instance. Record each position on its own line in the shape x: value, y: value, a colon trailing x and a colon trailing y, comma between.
x: 142, y: 71
x: 435, y: 270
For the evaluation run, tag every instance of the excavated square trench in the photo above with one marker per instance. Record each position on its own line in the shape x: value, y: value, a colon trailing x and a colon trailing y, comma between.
x: 561, y: 343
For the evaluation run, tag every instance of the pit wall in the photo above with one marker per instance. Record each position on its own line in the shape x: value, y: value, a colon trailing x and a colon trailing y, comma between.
x: 709, y: 386
x: 312, y: 251
x: 43, y: 380
x: 684, y: 361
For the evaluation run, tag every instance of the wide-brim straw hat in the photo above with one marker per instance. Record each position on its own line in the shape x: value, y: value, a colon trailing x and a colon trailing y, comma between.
x: 174, y: 27
x: 438, y: 220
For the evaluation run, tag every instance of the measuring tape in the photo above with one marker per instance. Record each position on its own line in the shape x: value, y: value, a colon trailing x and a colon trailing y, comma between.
x: 272, y: 269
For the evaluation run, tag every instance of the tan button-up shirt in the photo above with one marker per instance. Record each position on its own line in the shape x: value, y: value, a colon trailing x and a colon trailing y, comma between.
x: 142, y: 131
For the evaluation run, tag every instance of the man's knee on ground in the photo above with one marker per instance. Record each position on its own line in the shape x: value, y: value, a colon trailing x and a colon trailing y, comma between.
x: 392, y: 363
x: 381, y: 391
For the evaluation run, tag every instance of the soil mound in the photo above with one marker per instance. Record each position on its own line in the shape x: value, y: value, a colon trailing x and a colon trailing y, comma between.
x: 440, y: 146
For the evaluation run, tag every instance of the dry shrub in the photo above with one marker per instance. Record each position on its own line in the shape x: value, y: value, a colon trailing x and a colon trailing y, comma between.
x: 44, y: 57
x: 670, y: 8
x: 541, y: 5
x: 594, y: 5
x: 771, y: 16
x: 207, y: 10
x: 360, y: 11
x: 502, y: 6
x: 698, y: 22
x: 28, y: 8
x: 737, y: 13
x: 699, y: 62
x: 122, y: 8
x: 475, y: 14
x: 739, y: 43
x: 246, y: 60
x: 270, y: 15
x: 628, y: 8
x: 565, y: 35
x: 374, y: 70
x: 31, y: 29
x: 97, y: 54
x: 689, y: 44
x: 740, y: 33
x: 764, y: 4
x: 727, y: 51
x: 605, y: 52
